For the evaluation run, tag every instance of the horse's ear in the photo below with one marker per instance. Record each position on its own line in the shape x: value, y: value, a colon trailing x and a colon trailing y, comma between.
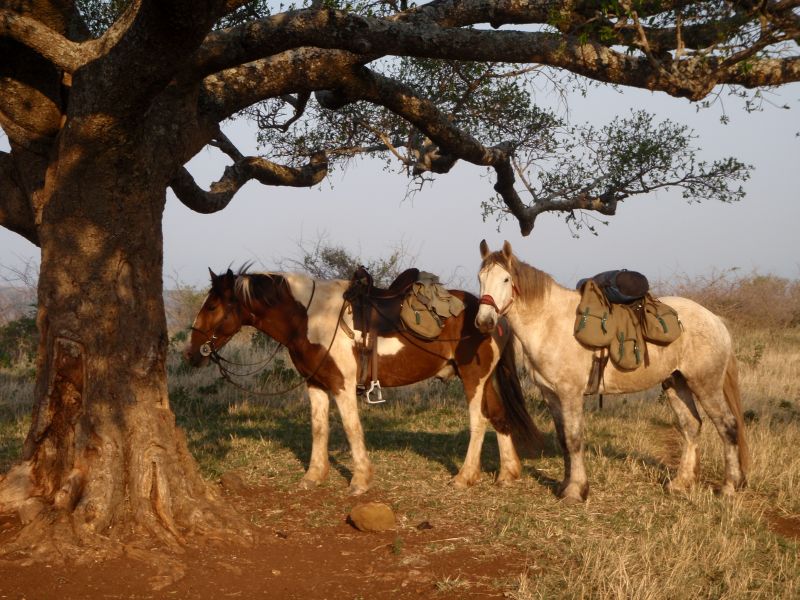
x: 484, y: 249
x: 507, y: 250
x: 229, y: 274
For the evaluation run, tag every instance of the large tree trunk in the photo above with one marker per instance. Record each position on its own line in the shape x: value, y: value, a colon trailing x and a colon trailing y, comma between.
x: 104, y: 461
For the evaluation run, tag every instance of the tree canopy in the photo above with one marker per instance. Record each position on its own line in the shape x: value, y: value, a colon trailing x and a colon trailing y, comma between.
x: 427, y: 85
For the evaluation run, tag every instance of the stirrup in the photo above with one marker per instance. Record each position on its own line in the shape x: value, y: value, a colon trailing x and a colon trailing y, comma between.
x: 375, y: 385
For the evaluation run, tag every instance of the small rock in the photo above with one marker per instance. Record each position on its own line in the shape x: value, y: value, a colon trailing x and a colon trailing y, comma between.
x: 424, y: 525
x: 372, y: 516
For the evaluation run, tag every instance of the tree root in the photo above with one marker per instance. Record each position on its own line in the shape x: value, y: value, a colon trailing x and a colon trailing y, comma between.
x: 156, y: 532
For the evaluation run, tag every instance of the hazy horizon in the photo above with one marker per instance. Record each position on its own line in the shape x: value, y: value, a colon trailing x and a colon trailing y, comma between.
x: 366, y: 210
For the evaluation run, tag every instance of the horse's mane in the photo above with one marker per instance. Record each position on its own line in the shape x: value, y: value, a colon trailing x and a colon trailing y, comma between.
x: 532, y: 283
x: 265, y: 287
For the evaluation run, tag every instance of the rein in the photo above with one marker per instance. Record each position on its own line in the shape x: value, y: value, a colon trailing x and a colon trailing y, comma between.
x: 226, y: 373
x: 208, y: 349
x: 217, y: 358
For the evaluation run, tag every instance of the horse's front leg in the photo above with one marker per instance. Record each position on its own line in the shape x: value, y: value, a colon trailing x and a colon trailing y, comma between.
x: 318, y: 466
x: 363, y: 470
x: 470, y: 471
x: 510, y: 464
x: 567, y: 412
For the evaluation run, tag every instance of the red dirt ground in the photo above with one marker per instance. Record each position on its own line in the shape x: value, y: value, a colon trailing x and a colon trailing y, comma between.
x: 289, y: 560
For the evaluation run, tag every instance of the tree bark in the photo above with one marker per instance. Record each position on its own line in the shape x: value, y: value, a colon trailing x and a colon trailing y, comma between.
x: 104, y: 461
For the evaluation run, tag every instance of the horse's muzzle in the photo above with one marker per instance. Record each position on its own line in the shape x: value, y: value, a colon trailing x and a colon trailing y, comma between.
x: 194, y: 358
x: 486, y: 319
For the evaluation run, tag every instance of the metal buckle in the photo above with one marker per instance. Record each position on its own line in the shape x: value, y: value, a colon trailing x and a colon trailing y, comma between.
x: 205, y: 349
x: 375, y: 385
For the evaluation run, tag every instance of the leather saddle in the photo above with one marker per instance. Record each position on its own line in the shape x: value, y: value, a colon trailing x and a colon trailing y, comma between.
x: 620, y: 286
x: 377, y: 310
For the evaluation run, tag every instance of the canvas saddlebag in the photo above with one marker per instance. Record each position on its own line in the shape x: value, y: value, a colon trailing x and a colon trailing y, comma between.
x: 593, y: 324
x: 623, y: 328
x: 661, y: 322
x: 427, y: 306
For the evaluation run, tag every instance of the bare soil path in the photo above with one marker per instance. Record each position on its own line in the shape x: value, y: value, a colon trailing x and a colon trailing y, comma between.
x: 330, y: 560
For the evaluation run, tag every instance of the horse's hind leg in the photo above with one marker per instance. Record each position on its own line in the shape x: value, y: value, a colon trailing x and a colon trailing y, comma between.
x: 681, y: 401
x: 568, y: 418
x: 318, y: 466
x: 510, y: 464
x: 713, y: 402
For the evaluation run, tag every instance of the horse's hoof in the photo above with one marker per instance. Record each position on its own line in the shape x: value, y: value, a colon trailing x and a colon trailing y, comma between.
x: 573, y: 493
x: 357, y: 490
x: 678, y: 486
x: 506, y: 481
x: 462, y: 483
x: 308, y: 484
x: 570, y: 500
x: 728, y: 490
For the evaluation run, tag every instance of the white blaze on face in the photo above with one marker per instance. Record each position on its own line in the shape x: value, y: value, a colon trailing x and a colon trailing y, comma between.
x: 495, y: 282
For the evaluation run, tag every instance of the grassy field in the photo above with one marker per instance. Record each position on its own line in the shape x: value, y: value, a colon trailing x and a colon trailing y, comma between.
x: 629, y: 540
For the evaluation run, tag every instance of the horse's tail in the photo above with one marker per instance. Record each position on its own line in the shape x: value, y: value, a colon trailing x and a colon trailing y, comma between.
x: 504, y: 405
x: 733, y: 398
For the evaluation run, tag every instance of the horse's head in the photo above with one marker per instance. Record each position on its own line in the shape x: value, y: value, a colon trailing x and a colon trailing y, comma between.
x: 219, y: 319
x: 497, y: 286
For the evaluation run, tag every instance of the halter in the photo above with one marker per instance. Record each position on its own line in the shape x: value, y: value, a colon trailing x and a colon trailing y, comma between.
x: 487, y: 299
x: 207, y: 348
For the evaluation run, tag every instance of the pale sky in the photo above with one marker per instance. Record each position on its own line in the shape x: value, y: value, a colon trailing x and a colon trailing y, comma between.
x: 364, y: 209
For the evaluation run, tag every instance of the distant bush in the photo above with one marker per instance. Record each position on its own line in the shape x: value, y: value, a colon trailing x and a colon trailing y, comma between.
x: 181, y: 304
x: 323, y: 260
x: 752, y: 300
x: 19, y: 340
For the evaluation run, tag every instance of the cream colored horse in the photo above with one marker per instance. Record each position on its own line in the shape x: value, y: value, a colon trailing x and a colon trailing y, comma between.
x: 699, y: 366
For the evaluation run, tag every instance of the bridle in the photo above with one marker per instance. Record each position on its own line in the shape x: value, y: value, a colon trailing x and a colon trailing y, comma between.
x: 208, y: 348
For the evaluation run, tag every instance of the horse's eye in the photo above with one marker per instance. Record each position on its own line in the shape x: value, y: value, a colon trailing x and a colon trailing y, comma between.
x: 507, y: 279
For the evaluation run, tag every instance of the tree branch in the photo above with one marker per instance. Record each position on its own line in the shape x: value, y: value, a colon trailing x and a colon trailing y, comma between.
x: 61, y: 52
x: 235, y: 176
x: 363, y: 84
x: 295, y: 71
x: 692, y: 76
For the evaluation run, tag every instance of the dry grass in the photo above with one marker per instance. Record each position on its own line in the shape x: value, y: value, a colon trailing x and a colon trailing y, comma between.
x: 629, y: 540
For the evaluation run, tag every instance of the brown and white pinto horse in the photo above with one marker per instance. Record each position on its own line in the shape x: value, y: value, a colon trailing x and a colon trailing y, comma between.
x: 699, y: 366
x: 303, y: 314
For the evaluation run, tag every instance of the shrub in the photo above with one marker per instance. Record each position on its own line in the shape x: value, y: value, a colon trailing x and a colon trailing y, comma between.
x: 19, y: 340
x: 753, y: 300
